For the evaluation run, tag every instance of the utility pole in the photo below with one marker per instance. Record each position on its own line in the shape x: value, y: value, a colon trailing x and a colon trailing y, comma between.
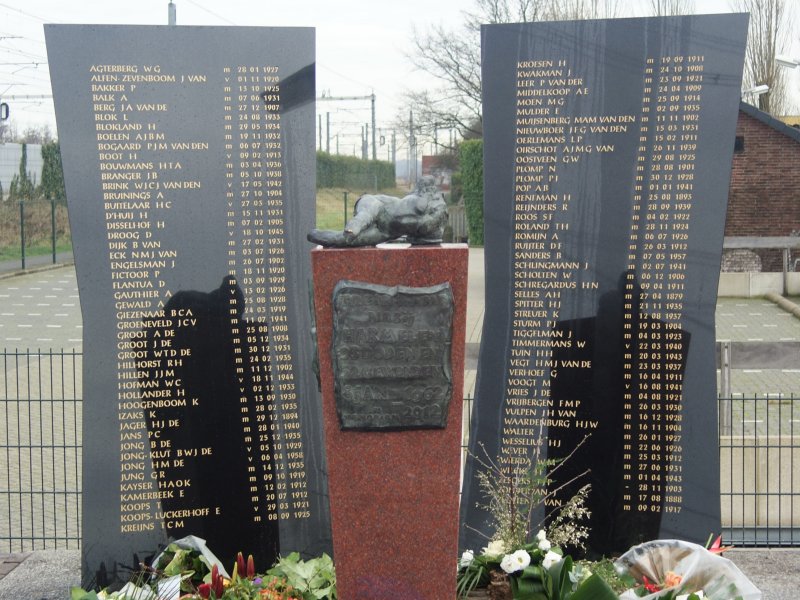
x: 328, y: 132
x: 319, y: 128
x: 374, y: 147
x: 365, y: 141
x: 371, y: 98
x: 171, y: 13
x: 412, y: 150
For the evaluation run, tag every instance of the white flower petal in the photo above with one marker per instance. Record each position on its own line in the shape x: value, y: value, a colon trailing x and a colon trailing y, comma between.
x: 522, y: 558
x: 466, y: 558
x: 542, y: 535
x: 550, y: 559
x: 544, y: 545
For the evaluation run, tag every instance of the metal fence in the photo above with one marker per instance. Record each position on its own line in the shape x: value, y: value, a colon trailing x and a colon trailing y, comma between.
x: 32, y: 228
x: 40, y: 450
x: 41, y: 435
x: 760, y: 470
x: 457, y: 220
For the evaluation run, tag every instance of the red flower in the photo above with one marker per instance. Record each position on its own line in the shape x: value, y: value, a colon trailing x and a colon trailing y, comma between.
x: 650, y: 587
x: 204, y: 589
x: 216, y: 582
x: 251, y: 567
x: 717, y: 547
x: 240, y: 566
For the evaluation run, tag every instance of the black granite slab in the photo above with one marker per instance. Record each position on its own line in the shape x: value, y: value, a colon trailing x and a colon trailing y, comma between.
x: 188, y: 157
x: 607, y: 157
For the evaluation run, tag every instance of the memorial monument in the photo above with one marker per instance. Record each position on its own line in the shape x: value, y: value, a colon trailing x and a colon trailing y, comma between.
x: 189, y: 166
x: 607, y: 156
x: 391, y: 324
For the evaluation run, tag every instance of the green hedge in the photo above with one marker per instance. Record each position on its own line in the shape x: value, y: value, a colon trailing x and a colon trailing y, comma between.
x: 52, y: 186
x: 350, y: 172
x: 471, y: 160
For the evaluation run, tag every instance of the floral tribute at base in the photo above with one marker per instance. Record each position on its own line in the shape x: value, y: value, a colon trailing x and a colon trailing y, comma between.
x: 187, y: 570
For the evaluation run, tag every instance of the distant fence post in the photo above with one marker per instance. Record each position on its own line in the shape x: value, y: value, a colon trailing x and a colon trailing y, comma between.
x: 726, y: 404
x: 786, y: 254
x: 457, y: 219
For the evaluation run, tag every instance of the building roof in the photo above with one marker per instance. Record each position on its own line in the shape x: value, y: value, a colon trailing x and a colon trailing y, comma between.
x: 770, y: 121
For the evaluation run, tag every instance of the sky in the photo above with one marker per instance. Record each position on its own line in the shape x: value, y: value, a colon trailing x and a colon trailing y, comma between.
x: 362, y: 45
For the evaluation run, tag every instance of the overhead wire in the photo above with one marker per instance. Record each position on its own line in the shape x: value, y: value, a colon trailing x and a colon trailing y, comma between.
x: 22, y: 12
x: 211, y: 12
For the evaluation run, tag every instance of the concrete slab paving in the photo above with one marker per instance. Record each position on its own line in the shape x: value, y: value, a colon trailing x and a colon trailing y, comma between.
x: 42, y: 575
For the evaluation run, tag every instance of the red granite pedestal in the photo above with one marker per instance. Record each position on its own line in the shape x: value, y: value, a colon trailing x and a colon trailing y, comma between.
x: 394, y: 495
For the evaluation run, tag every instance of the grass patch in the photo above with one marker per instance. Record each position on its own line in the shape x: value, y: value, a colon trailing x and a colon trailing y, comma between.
x: 38, y: 229
x: 331, y: 208
x: 11, y: 253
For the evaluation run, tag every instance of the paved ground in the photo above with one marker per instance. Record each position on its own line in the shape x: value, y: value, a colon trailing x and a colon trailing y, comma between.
x: 41, y: 310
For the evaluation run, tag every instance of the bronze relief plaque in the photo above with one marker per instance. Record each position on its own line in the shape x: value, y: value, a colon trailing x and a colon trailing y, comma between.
x: 391, y: 355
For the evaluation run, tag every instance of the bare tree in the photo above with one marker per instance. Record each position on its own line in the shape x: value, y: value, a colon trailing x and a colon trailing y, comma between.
x: 454, y: 58
x: 8, y: 131
x: 37, y: 135
x: 770, y: 23
x: 664, y: 8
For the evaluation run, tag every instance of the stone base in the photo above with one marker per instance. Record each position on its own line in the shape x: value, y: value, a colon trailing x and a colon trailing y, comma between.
x: 394, y: 495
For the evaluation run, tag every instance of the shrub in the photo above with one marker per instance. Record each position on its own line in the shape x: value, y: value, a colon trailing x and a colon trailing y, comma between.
x: 471, y: 159
x: 336, y: 171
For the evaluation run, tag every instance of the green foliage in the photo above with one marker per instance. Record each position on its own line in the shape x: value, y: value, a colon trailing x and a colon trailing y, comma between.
x: 563, y: 580
x: 606, y: 570
x: 314, y: 578
x: 25, y: 188
x: 456, y: 187
x: 512, y: 497
x: 22, y: 187
x: 12, y: 189
x: 52, y: 185
x: 474, y: 575
x: 290, y: 579
x: 471, y: 160
x: 76, y: 593
x: 180, y: 561
x: 38, y: 215
x: 23, y: 162
x: 537, y: 583
x: 334, y: 170
x: 594, y: 588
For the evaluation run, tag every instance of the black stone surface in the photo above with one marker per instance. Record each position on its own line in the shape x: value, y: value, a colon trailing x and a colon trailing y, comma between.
x: 391, y: 355
x: 188, y: 156
x: 607, y: 156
